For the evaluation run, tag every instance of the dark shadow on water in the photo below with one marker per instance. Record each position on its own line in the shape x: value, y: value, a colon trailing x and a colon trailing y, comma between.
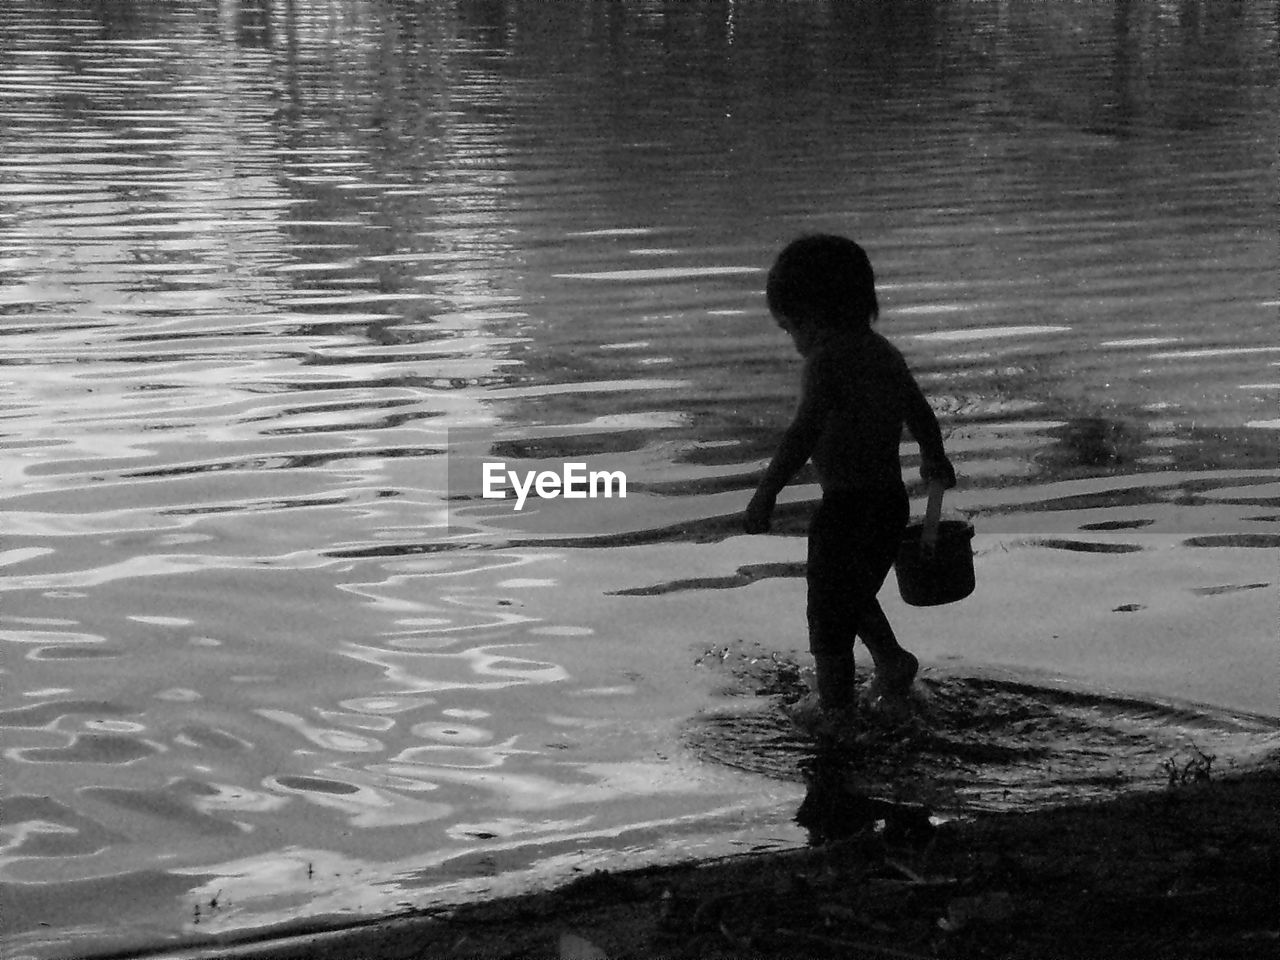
x: 837, y: 807
x: 1085, y: 546
x: 1227, y: 588
x: 789, y: 519
x: 1262, y: 541
x: 968, y: 742
x: 1117, y: 525
x: 1126, y: 442
x: 744, y: 576
x: 1093, y: 442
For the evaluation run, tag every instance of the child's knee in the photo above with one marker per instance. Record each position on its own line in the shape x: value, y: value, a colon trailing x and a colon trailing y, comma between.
x: 831, y: 638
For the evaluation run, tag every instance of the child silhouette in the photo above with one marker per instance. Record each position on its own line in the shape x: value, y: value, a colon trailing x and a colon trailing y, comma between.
x: 856, y: 395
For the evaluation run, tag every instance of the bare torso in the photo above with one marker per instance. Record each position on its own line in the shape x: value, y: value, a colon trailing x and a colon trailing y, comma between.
x: 864, y: 384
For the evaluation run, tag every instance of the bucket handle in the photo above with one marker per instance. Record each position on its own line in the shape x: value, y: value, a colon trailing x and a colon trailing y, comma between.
x: 932, y: 518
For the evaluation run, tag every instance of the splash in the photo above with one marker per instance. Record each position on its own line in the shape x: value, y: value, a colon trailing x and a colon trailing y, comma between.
x: 973, y: 742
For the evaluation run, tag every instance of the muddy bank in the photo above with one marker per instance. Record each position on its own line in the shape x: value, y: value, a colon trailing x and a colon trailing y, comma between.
x: 1186, y: 871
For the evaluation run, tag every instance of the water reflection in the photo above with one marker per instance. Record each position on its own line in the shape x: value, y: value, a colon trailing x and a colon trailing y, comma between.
x: 1096, y: 444
x: 263, y: 263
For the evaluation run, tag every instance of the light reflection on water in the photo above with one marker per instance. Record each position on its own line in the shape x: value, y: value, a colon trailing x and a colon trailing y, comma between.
x: 262, y: 265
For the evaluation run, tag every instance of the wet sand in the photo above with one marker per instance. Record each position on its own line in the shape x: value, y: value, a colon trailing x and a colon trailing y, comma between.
x: 1186, y: 871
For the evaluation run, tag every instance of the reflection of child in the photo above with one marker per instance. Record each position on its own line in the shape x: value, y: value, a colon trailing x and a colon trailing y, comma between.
x: 856, y: 394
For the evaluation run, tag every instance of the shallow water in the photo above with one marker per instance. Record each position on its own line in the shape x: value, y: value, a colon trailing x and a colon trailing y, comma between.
x: 276, y: 277
x: 980, y: 740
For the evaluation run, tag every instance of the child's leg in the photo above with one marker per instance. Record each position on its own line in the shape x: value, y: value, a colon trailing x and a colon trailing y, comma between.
x: 833, y: 624
x: 832, y: 619
x: 853, y: 541
x: 895, y: 667
x: 835, y: 679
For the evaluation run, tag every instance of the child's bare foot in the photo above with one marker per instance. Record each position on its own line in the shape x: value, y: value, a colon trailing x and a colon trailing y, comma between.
x: 893, y: 680
x: 891, y: 695
x: 817, y: 720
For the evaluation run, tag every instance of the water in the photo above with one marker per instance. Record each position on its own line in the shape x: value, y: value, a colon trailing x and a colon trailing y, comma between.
x: 274, y: 277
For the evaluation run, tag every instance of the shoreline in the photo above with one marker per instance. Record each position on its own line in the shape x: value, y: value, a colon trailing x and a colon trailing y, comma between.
x: 1188, y: 870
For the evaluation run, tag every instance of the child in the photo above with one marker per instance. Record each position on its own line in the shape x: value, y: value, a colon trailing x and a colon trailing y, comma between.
x: 856, y: 394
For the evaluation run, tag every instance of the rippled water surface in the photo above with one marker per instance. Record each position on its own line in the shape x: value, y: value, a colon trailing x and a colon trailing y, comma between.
x: 276, y: 276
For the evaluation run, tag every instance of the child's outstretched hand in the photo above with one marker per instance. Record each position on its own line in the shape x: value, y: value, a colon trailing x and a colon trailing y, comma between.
x: 759, y: 510
x: 940, y: 470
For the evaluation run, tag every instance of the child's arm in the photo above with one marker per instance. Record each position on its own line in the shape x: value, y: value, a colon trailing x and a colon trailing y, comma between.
x: 923, y: 425
x: 793, y: 452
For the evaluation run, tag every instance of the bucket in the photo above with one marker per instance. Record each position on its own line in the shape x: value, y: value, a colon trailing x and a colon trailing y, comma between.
x: 935, y: 560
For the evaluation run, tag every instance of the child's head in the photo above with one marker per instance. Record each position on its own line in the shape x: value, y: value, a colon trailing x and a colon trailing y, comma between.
x: 823, y: 281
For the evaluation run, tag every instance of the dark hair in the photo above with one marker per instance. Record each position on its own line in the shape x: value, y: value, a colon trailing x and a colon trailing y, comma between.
x: 824, y: 279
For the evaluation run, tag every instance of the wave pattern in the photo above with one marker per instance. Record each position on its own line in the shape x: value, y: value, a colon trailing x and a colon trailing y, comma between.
x: 274, y: 276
